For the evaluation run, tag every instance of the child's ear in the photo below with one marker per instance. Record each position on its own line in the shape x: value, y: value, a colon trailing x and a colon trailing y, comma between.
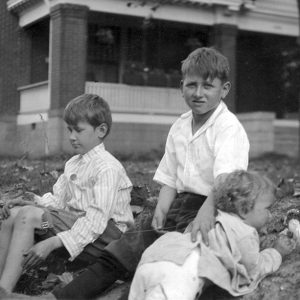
x: 102, y: 130
x: 226, y: 89
x: 181, y: 85
x: 242, y: 211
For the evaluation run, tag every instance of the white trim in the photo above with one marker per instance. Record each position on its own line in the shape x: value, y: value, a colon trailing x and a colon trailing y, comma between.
x: 25, y: 119
x: 266, y: 23
x: 143, y: 119
x: 266, y: 16
x: 33, y: 85
x: 286, y: 123
x: 33, y: 13
x: 39, y: 117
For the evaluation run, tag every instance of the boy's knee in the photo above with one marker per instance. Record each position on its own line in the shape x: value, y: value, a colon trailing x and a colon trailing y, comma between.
x: 29, y: 215
x: 8, y: 222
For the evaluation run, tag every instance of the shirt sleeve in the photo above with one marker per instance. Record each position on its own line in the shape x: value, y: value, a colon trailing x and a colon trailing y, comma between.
x: 166, y: 173
x: 258, y: 263
x: 231, y: 149
x: 59, y: 195
x: 102, y: 204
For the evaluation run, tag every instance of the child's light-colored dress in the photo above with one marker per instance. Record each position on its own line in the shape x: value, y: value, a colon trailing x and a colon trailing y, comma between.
x: 175, y: 268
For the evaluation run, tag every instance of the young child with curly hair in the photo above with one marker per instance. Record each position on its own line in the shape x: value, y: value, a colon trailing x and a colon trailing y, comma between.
x: 174, y: 267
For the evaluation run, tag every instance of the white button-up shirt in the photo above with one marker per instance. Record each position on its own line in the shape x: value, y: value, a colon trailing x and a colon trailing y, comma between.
x: 192, y: 162
x: 96, y: 186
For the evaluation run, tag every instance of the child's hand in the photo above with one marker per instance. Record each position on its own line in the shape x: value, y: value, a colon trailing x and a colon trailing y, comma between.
x: 204, y: 222
x: 37, y: 254
x: 4, y: 213
x: 284, y: 245
x: 159, y: 219
x: 18, y: 202
x: 5, y: 210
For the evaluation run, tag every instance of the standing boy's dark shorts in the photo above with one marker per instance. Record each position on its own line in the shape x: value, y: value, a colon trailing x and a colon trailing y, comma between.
x: 129, y: 248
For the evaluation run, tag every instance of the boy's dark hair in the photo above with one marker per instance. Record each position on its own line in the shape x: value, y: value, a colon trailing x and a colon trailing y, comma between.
x: 207, y: 63
x: 239, y: 191
x: 88, y: 108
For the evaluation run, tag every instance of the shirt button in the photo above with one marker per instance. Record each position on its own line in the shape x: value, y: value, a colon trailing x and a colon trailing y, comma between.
x: 73, y: 177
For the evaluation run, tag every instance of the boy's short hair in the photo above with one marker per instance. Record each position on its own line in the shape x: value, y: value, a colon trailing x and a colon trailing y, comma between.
x: 239, y: 191
x: 207, y: 63
x: 88, y: 108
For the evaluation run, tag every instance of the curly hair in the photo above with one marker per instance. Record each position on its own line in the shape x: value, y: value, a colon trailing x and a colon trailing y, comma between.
x: 88, y: 108
x: 239, y: 191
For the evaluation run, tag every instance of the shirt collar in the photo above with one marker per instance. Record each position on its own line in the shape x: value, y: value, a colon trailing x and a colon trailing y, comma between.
x: 189, y: 115
x: 92, y: 153
x: 221, y: 107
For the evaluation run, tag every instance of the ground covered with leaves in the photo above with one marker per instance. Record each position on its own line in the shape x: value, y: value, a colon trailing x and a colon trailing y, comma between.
x: 20, y: 175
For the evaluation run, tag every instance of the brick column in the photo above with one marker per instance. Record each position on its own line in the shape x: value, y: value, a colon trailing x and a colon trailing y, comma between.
x: 223, y: 38
x: 68, y: 48
x: 9, y: 63
x: 25, y: 46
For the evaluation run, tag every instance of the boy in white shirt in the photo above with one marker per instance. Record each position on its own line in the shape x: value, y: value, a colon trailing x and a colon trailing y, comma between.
x: 89, y: 206
x: 203, y: 144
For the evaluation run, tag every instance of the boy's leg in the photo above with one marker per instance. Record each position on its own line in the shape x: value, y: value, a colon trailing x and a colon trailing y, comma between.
x: 5, y: 236
x: 22, y: 238
x: 117, y: 261
x: 93, y: 281
x: 190, y: 205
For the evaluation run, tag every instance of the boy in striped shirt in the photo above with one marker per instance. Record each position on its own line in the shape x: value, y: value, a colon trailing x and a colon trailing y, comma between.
x: 89, y: 206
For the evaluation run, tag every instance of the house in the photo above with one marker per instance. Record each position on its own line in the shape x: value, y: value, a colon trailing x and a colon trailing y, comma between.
x: 129, y: 52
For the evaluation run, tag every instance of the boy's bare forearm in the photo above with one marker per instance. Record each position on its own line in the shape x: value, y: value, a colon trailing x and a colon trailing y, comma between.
x: 166, y: 198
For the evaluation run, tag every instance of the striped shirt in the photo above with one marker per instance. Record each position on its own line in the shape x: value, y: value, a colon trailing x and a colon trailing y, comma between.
x: 192, y: 162
x: 96, y: 186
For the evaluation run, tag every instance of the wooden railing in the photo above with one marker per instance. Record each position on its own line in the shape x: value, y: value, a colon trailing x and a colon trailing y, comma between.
x: 139, y: 99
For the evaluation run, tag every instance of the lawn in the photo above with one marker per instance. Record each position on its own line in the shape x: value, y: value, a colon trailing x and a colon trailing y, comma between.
x: 20, y: 175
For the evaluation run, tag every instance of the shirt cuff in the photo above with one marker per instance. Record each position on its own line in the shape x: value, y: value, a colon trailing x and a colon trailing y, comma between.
x: 70, y: 244
x: 45, y: 200
x: 163, y: 179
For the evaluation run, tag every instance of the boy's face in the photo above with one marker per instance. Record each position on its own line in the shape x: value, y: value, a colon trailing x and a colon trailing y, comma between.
x: 203, y: 95
x: 260, y: 214
x: 84, y: 137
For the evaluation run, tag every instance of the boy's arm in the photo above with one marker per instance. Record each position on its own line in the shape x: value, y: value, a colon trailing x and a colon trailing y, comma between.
x: 166, y: 197
x: 55, y: 199
x: 38, y: 253
x: 205, y: 219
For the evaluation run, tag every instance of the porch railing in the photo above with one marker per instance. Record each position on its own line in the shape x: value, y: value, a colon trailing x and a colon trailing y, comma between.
x: 139, y: 99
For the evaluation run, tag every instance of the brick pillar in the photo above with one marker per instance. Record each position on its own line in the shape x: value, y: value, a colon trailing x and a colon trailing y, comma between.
x: 25, y: 46
x: 68, y: 50
x: 223, y: 38
x: 9, y: 62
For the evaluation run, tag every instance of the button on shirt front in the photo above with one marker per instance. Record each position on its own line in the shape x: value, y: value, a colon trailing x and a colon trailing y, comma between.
x: 192, y: 162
